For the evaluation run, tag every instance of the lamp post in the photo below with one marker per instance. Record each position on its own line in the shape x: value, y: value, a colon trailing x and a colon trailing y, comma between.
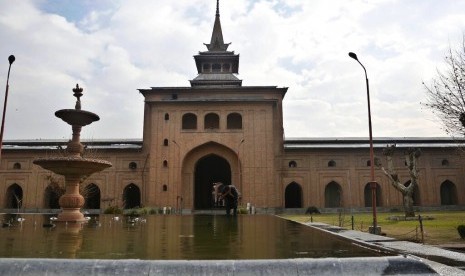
x: 373, y: 184
x: 11, y: 59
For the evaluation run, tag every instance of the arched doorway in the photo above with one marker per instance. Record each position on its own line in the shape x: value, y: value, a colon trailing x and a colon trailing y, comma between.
x: 208, y: 170
x: 51, y: 197
x: 448, y: 193
x: 91, y: 195
x: 293, y: 196
x: 368, y: 195
x: 333, y: 195
x: 131, y: 196
x: 14, y: 197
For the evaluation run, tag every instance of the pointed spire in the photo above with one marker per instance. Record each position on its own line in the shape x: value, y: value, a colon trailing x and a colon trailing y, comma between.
x: 217, y: 42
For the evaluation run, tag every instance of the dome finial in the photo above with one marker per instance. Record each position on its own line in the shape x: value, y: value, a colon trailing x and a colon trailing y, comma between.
x: 78, y: 93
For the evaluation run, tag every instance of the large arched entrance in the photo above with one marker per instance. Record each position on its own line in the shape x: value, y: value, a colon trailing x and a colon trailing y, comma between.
x: 131, y: 196
x: 14, y: 197
x: 208, y: 170
x: 293, y: 196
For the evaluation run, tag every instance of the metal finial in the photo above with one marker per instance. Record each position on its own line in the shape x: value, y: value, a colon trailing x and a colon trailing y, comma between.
x: 11, y: 59
x: 217, y: 7
x: 78, y: 93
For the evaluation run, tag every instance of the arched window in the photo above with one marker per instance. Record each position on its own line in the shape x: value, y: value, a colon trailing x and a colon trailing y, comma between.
x: 368, y: 195
x: 165, y: 142
x: 333, y: 195
x: 165, y: 188
x: 92, y: 197
x: 216, y: 68
x: 165, y: 163
x: 206, y: 68
x: 167, y: 116
x: 234, y: 121
x: 212, y: 121
x: 332, y: 163
x: 448, y: 193
x: 293, y: 196
x: 292, y: 164
x: 17, y: 166
x: 131, y: 196
x: 189, y: 121
x: 14, y: 197
x: 445, y: 162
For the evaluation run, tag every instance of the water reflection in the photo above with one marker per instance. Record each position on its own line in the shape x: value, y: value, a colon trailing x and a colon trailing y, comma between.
x: 171, y: 237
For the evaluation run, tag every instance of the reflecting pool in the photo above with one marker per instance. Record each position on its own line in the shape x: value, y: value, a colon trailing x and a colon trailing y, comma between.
x: 170, y: 237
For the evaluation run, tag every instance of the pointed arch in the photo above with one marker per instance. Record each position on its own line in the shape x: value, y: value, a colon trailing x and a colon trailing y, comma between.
x: 333, y: 195
x: 14, y: 197
x: 208, y: 170
x: 293, y: 196
x: 448, y: 193
x: 91, y: 195
x: 229, y: 172
x: 51, y: 197
x: 367, y: 192
x: 131, y: 196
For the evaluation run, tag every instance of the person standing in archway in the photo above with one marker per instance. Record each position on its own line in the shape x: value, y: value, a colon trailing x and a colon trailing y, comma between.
x: 230, y: 195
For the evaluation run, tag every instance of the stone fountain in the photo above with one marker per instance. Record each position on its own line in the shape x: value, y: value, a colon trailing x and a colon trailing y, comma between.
x: 73, y: 166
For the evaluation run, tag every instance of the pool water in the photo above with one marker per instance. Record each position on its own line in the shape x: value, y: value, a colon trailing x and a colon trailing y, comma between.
x: 171, y: 237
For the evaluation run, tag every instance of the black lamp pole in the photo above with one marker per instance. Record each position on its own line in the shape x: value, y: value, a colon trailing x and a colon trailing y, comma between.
x: 11, y: 59
x: 373, y: 183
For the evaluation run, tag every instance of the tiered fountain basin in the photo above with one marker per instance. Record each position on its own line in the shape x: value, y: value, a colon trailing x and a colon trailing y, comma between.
x: 77, y: 117
x: 72, y: 165
x: 73, y: 169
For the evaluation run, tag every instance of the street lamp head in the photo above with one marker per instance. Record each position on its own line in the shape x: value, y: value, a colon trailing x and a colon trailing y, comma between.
x: 353, y: 55
x: 11, y: 59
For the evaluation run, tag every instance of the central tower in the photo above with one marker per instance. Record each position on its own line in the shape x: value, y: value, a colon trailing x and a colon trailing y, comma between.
x: 215, y: 130
x: 217, y: 66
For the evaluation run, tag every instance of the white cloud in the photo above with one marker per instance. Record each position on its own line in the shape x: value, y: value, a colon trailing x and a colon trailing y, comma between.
x: 115, y: 47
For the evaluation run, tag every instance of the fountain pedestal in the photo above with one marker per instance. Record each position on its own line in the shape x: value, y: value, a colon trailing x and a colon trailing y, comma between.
x: 72, y: 201
x: 73, y: 166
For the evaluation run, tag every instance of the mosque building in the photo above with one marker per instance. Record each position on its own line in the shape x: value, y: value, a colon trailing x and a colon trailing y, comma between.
x: 217, y: 130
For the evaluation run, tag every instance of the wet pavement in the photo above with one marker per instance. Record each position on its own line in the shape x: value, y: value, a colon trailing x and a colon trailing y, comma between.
x: 444, y: 262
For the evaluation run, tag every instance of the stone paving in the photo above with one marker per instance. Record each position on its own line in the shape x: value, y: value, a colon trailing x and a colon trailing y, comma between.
x: 444, y: 262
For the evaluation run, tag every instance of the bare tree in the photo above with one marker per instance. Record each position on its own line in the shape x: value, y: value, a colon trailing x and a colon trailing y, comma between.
x: 411, y: 160
x: 445, y: 93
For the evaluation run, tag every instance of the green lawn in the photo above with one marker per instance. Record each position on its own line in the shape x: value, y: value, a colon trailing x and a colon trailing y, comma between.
x: 442, y: 229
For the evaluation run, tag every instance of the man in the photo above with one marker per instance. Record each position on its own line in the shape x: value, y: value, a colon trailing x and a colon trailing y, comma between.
x: 230, y: 195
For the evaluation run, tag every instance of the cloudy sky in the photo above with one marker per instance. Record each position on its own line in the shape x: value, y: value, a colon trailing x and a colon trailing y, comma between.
x: 112, y: 48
